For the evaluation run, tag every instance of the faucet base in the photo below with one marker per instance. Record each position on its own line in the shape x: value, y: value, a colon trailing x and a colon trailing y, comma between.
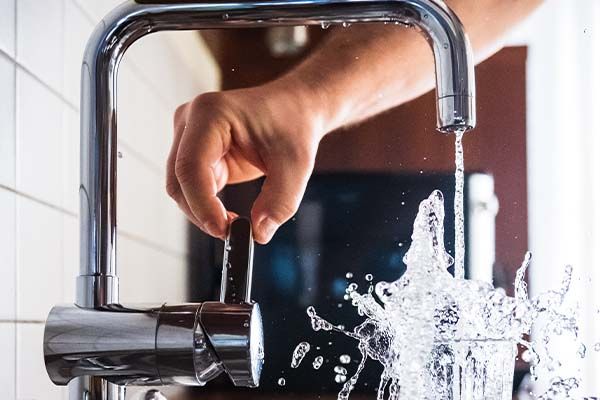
x: 129, y: 346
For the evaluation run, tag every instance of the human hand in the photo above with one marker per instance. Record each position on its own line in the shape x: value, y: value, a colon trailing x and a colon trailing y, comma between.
x: 240, y: 135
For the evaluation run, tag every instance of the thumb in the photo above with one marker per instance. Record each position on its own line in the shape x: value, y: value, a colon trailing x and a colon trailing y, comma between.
x: 280, y: 195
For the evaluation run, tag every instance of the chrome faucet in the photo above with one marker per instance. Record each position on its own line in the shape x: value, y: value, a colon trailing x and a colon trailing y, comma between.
x: 100, y: 345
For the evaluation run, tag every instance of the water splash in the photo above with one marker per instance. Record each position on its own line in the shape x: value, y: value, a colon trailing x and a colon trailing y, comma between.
x: 467, y: 330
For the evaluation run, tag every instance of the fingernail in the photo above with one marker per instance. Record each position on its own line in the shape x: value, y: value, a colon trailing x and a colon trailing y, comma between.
x: 267, y: 227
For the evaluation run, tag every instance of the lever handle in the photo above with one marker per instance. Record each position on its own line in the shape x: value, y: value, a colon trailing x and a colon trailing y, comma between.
x: 236, y: 283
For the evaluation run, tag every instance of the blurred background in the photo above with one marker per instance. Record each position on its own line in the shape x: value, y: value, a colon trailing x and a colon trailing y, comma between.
x: 533, y: 183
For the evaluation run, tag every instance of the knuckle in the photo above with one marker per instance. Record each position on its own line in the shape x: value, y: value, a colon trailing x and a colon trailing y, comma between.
x: 210, y: 100
x: 179, y: 113
x: 283, y: 211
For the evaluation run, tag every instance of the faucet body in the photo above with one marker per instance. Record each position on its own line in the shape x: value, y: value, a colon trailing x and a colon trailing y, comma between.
x: 97, y: 284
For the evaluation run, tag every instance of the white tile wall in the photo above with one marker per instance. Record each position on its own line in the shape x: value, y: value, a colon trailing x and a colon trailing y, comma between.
x: 39, y: 259
x: 32, y: 379
x: 40, y: 39
x: 156, y: 266
x: 41, y: 46
x: 77, y: 28
x: 7, y: 27
x: 7, y: 256
x: 70, y: 160
x: 7, y: 121
x: 8, y: 359
x: 39, y: 140
x: 97, y: 9
x: 70, y: 234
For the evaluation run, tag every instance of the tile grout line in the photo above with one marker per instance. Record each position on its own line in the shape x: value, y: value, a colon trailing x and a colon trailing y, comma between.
x: 67, y: 139
x: 14, y: 127
x: 38, y: 201
x: 142, y: 158
x: 21, y: 321
x: 16, y: 255
x: 153, y: 245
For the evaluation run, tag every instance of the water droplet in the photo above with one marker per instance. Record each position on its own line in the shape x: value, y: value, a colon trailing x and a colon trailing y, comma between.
x: 349, y: 275
x: 281, y: 382
x: 225, y: 16
x: 446, y: 45
x: 352, y: 287
x: 318, y: 362
x: 346, y: 24
x: 345, y: 359
x: 338, y: 369
x: 368, y: 277
x: 597, y: 347
x: 340, y: 378
x: 299, y: 353
x: 581, y: 351
x: 325, y: 25
x: 119, y: 154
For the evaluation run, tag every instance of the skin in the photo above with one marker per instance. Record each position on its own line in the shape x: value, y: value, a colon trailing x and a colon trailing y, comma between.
x: 274, y: 130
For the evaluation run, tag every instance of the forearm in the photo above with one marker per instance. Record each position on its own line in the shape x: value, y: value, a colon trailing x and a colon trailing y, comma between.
x: 363, y: 70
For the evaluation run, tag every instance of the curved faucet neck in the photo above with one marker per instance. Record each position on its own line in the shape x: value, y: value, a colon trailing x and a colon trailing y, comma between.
x: 98, y: 282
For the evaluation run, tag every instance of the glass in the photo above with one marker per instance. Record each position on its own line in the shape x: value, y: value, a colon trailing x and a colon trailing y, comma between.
x: 472, y: 370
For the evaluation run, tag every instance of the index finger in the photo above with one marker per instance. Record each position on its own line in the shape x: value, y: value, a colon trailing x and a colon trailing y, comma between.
x: 199, y: 158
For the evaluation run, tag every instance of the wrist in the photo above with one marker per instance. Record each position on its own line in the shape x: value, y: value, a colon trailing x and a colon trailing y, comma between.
x: 315, y: 105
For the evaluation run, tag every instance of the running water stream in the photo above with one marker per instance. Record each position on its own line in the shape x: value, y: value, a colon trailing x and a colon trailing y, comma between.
x: 459, y: 209
x: 467, y: 330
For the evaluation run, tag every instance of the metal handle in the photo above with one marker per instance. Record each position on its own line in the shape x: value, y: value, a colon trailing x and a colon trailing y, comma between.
x: 233, y: 325
x: 236, y: 283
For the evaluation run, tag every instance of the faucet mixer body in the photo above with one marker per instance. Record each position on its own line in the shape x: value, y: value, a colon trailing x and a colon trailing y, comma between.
x: 186, y: 344
x: 97, y: 284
